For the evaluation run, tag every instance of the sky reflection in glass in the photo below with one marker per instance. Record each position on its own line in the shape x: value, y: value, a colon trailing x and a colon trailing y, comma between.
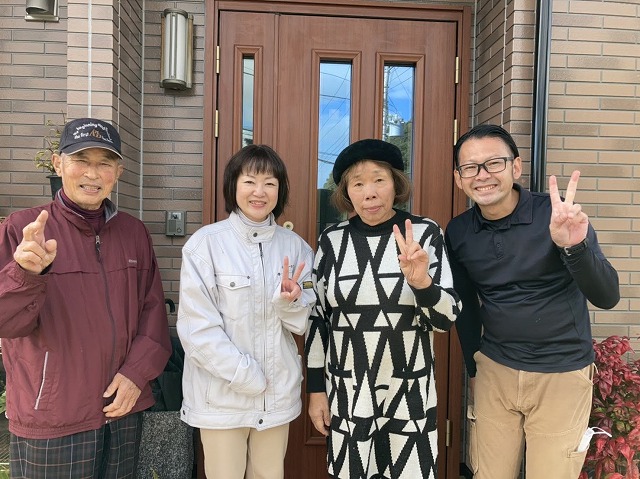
x: 335, y: 110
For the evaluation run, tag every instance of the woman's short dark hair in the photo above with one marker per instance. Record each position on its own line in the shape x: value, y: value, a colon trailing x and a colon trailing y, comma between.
x: 401, y: 186
x: 255, y: 159
x: 485, y: 131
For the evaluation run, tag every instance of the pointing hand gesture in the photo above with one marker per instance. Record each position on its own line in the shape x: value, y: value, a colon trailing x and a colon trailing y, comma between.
x: 35, y: 253
x: 414, y: 261
x: 569, y: 223
x: 290, y: 289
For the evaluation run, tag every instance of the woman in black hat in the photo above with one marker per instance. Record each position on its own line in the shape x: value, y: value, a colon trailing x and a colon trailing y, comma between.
x: 384, y: 286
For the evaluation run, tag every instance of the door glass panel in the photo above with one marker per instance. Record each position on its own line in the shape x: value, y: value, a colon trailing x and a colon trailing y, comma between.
x: 333, y: 133
x: 248, y: 68
x: 397, y: 115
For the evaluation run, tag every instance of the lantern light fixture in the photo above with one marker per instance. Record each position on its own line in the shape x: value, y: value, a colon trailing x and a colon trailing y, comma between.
x: 41, y: 11
x: 176, y: 57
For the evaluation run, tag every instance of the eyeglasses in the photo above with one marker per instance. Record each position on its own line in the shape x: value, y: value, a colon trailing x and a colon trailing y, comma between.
x: 492, y: 165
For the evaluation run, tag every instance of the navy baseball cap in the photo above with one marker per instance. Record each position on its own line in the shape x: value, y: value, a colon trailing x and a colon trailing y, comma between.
x: 84, y: 133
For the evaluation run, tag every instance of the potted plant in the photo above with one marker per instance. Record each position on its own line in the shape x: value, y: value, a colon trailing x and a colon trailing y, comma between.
x: 616, y: 409
x: 43, y: 158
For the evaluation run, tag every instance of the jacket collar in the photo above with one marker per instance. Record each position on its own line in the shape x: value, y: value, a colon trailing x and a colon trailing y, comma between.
x: 110, y: 210
x: 253, y: 234
x: 522, y: 214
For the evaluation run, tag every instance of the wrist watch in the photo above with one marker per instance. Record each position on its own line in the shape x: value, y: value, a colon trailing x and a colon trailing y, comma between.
x: 576, y: 248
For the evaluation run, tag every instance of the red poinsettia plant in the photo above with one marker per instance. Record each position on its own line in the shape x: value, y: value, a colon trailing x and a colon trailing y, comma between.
x: 616, y: 409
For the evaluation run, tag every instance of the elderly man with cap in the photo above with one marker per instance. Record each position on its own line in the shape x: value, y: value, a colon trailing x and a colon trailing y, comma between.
x: 82, y: 318
x: 384, y: 286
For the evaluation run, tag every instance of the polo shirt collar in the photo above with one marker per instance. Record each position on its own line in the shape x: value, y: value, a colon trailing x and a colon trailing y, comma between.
x: 523, y: 214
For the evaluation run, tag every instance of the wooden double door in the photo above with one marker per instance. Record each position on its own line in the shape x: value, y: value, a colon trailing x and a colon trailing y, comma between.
x: 308, y: 78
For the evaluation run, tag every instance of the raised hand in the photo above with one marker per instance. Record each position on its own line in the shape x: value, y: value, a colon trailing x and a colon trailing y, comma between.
x: 569, y: 224
x: 34, y: 253
x: 414, y: 261
x: 290, y: 289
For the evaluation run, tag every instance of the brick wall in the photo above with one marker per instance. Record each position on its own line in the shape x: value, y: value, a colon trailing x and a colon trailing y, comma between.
x: 104, y: 79
x: 173, y: 139
x: 33, y: 89
x: 593, y: 118
x: 594, y: 113
x: 502, y: 70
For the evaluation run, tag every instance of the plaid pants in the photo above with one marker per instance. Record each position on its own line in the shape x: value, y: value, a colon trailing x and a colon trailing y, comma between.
x: 110, y: 452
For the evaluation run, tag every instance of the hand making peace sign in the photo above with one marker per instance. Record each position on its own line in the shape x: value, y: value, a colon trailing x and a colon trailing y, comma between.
x: 414, y: 260
x: 290, y: 289
x: 569, y: 223
x: 34, y: 253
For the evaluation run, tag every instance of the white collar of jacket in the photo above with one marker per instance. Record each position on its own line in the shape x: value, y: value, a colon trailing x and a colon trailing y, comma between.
x: 253, y: 234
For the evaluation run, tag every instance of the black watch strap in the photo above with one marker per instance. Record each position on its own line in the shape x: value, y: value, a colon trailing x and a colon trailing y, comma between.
x: 576, y: 248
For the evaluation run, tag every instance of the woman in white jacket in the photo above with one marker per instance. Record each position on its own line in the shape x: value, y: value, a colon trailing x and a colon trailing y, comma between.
x: 245, y: 289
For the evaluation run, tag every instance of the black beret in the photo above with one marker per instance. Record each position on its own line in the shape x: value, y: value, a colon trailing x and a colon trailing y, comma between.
x: 369, y: 149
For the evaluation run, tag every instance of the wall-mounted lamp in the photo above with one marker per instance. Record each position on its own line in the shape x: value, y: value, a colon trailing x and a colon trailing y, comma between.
x: 177, y: 49
x: 42, y: 11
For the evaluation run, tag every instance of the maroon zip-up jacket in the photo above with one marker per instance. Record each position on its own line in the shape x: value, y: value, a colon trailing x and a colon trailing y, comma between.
x: 97, y: 310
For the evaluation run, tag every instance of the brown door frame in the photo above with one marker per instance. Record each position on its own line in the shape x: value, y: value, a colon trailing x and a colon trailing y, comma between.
x: 345, y: 8
x: 353, y: 8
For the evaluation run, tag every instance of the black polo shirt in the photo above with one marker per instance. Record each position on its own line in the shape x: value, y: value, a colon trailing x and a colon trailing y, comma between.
x: 524, y: 302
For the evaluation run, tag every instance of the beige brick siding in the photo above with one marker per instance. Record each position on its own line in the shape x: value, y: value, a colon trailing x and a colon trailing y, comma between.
x: 593, y: 118
x: 33, y: 89
x: 173, y: 139
x: 595, y: 49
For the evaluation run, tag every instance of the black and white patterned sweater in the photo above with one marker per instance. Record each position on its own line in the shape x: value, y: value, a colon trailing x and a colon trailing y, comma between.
x: 369, y: 346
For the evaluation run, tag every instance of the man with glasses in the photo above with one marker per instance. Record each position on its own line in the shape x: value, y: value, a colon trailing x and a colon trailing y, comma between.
x: 524, y: 264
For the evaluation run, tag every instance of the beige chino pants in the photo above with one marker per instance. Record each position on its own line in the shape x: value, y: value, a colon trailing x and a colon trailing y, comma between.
x: 546, y: 412
x: 244, y: 453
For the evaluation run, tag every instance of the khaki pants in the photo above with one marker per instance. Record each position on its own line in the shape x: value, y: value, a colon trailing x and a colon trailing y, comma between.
x: 244, y: 452
x: 547, y: 412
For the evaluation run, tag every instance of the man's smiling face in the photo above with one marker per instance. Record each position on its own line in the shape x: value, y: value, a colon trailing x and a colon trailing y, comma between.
x: 492, y: 192
x: 88, y: 176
